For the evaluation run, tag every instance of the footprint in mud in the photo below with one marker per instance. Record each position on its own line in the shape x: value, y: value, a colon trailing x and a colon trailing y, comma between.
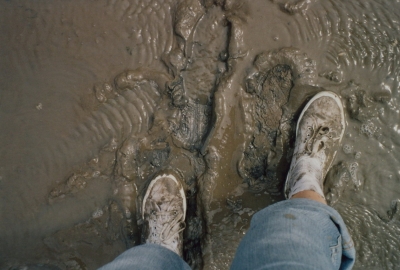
x: 128, y: 162
x: 173, y: 114
x: 270, y: 83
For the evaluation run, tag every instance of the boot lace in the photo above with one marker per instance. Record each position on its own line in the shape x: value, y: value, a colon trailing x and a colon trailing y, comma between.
x: 168, y: 222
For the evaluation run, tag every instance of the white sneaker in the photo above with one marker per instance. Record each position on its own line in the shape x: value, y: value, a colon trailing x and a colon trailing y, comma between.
x: 319, y: 131
x: 164, y: 212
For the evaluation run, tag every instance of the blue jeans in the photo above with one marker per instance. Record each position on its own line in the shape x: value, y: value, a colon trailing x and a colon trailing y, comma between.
x: 291, y: 234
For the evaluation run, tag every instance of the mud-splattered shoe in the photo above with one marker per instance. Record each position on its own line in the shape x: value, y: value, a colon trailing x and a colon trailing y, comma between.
x: 319, y: 131
x: 163, y: 212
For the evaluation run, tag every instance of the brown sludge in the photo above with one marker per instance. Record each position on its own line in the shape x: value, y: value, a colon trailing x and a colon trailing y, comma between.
x: 97, y: 97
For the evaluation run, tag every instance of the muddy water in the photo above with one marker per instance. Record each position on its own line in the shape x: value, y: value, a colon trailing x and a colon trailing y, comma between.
x: 97, y: 97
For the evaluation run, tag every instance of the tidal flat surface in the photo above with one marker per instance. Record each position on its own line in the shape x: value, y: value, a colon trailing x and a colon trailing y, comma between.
x: 98, y: 97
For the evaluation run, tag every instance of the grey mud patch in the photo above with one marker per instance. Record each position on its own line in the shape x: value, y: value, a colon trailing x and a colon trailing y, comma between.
x: 97, y: 98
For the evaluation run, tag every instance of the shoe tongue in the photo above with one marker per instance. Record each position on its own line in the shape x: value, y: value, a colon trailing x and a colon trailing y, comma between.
x: 318, y: 140
x: 167, y: 215
x: 169, y: 226
x: 318, y: 145
x: 172, y: 228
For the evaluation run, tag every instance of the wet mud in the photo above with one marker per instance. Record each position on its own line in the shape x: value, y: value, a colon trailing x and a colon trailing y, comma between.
x: 98, y: 97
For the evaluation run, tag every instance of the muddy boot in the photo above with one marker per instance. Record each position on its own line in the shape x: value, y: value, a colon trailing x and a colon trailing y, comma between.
x: 163, y: 212
x: 319, y: 131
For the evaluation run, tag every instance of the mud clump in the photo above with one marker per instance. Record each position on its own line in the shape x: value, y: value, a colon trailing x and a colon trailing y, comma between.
x: 341, y: 178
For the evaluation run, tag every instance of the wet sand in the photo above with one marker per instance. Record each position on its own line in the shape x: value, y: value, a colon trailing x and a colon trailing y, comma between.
x: 97, y: 97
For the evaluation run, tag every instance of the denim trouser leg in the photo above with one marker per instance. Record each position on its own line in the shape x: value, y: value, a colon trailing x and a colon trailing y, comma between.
x: 292, y: 234
x: 147, y: 257
x: 296, y: 234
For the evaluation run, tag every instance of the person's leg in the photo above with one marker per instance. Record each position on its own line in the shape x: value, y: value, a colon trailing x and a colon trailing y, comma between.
x: 309, y: 194
x: 303, y: 232
x: 147, y: 257
x: 163, y: 213
x: 296, y: 234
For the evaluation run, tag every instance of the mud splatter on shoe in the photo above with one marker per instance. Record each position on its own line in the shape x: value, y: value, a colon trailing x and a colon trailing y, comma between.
x: 319, y: 131
x: 163, y: 212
